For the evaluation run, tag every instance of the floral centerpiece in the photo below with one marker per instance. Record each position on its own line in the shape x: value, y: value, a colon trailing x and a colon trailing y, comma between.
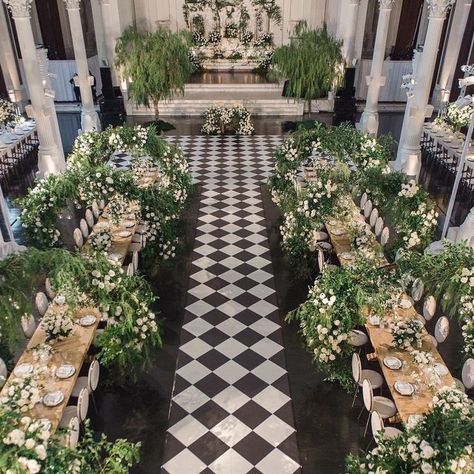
x: 22, y: 394
x: 117, y: 208
x: 422, y: 358
x: 407, y: 333
x: 458, y: 117
x: 42, y: 353
x: 8, y: 114
x: 221, y: 120
x: 57, y: 325
x: 101, y: 241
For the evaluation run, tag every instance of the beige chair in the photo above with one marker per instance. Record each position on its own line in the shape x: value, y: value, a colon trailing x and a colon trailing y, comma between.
x: 321, y: 261
x: 319, y: 235
x: 41, y: 303
x: 49, y: 289
x: 429, y: 308
x: 130, y: 270
x: 84, y: 228
x: 101, y: 204
x: 382, y: 405
x: 3, y: 373
x: 357, y: 338
x: 90, y: 382
x: 378, y: 226
x: 78, y: 238
x: 95, y: 209
x: 384, y: 236
x: 417, y: 289
x: 71, y: 436
x: 90, y: 218
x: 360, y: 375
x: 135, y: 261
x: 441, y: 331
x: 374, y: 215
x: 368, y: 209
x: 363, y: 201
x: 28, y: 325
x: 377, y: 424
x: 80, y: 410
x: 468, y: 374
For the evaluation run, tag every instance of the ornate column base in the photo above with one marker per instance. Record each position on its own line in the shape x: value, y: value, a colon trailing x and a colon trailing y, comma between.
x: 90, y: 121
x: 409, y: 161
x: 369, y: 122
x: 50, y: 161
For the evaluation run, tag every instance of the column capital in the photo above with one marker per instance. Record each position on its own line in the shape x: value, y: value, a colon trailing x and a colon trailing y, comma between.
x: 386, y: 4
x: 72, y: 4
x: 19, y: 8
x: 439, y: 8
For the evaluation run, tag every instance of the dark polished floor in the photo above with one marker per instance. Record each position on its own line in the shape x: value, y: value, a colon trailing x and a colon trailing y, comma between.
x: 327, y: 427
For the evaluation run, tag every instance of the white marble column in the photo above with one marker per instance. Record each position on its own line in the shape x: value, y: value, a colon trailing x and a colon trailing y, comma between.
x: 369, y: 121
x: 409, y: 150
x: 51, y: 154
x: 451, y: 53
x: 8, y: 62
x: 9, y: 247
x: 346, y: 28
x: 112, y: 32
x: 89, y: 118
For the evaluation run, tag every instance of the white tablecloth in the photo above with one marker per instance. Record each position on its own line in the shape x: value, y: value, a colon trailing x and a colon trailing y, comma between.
x: 8, y: 141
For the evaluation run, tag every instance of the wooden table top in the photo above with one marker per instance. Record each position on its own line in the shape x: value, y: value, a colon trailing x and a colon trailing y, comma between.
x: 381, y: 340
x: 71, y: 350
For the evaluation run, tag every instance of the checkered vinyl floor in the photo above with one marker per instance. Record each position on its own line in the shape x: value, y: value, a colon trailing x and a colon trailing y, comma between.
x: 231, y: 411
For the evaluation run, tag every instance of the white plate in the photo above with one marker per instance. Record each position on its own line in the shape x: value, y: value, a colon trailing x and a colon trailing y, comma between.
x: 441, y: 369
x: 53, y: 399
x: 338, y: 231
x: 88, y: 320
x: 115, y: 257
x: 65, y: 371
x: 347, y: 256
x: 392, y: 363
x: 404, y: 388
x: 124, y: 233
x: 128, y: 224
x: 374, y: 320
x: 23, y: 370
x: 332, y: 223
x: 405, y: 304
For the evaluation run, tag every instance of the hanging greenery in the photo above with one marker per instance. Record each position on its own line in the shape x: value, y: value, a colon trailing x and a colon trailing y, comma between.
x: 312, y: 63
x: 157, y: 64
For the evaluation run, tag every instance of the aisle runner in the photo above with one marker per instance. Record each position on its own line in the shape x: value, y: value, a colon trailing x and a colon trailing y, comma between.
x: 231, y: 412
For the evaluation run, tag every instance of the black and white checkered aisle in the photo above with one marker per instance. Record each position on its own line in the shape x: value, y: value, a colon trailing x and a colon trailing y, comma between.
x: 231, y: 412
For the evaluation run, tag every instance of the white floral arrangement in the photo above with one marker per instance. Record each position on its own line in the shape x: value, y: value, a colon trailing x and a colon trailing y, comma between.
x: 42, y: 352
x: 236, y: 119
x: 22, y: 393
x: 117, y: 208
x: 101, y: 241
x: 422, y: 358
x: 8, y: 113
x: 107, y: 281
x: 464, y: 463
x: 407, y: 333
x: 151, y: 222
x: 458, y: 117
x: 409, y: 189
x: 449, y: 399
x: 97, y: 186
x: 468, y: 335
x: 57, y: 325
x: 140, y: 166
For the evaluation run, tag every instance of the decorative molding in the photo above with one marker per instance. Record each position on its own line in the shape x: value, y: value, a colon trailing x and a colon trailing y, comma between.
x: 386, y: 4
x: 72, y: 4
x: 19, y: 8
x: 354, y: 2
x: 439, y: 8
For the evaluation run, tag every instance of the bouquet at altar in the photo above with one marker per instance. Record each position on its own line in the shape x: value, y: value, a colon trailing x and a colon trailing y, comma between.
x: 407, y: 334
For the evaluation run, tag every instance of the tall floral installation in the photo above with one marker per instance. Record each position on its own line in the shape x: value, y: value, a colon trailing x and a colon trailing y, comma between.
x: 88, y: 278
x: 346, y: 164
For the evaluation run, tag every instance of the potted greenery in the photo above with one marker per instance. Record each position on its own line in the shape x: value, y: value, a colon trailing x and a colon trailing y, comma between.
x: 157, y: 64
x: 312, y: 63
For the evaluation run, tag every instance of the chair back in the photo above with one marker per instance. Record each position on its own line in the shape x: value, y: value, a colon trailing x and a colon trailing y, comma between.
x: 321, y: 260
x: 73, y: 432
x: 384, y: 236
x: 374, y: 215
x: 95, y: 209
x: 83, y: 404
x: 101, y: 204
x: 417, y: 289
x: 130, y: 270
x: 368, y: 209
x: 84, y: 228
x: 41, y: 302
x: 363, y: 200
x: 467, y: 375
x: 318, y: 235
x: 78, y: 238
x: 90, y: 218
x: 135, y: 260
x: 376, y: 423
x: 49, y: 289
x: 378, y: 226
x: 368, y: 395
x: 28, y: 325
x: 429, y: 308
x: 442, y: 329
x: 3, y: 373
x: 93, y: 375
x: 356, y: 368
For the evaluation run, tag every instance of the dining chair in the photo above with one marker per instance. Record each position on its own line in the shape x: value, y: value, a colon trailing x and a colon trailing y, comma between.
x: 95, y: 209
x: 385, y: 407
x: 71, y: 437
x: 28, y: 325
x: 357, y: 338
x: 135, y: 260
x: 78, y: 238
x: 49, y: 289
x: 363, y: 200
x: 3, y: 373
x: 90, y: 218
x: 417, y: 289
x: 384, y: 236
x: 360, y: 375
x: 101, y: 204
x: 321, y: 261
x: 374, y: 215
x: 41, y: 303
x: 429, y: 307
x: 378, y: 427
x: 368, y: 208
x: 130, y: 270
x: 441, y: 331
x: 319, y: 236
x: 467, y: 374
x: 90, y: 382
x: 84, y: 228
x: 378, y: 226
x: 80, y: 410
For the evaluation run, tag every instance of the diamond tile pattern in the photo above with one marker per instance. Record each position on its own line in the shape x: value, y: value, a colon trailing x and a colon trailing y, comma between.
x: 231, y: 408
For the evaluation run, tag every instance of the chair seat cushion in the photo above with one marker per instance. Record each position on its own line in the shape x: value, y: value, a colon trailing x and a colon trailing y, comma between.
x: 375, y: 379
x: 384, y: 407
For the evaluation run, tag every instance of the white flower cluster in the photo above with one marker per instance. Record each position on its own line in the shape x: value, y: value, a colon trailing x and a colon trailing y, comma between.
x: 464, y: 463
x: 217, y: 118
x: 450, y: 399
x: 151, y: 222
x: 97, y: 186
x: 7, y: 112
x: 118, y: 207
x: 166, y: 248
x: 124, y: 139
x: 467, y: 276
x: 427, y: 218
x: 468, y: 335
x: 368, y: 149
x: 291, y: 233
x: 141, y: 165
x: 458, y: 117
x: 407, y: 333
x: 57, y: 325
x: 108, y: 281
x: 289, y: 150
x: 422, y: 357
x: 22, y: 393
x: 316, y: 191
x: 419, y: 450
x: 412, y: 240
x: 409, y: 190
x: 101, y: 241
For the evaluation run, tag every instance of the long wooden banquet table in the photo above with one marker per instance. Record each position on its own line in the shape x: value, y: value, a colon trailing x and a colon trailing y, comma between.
x: 70, y: 351
x: 381, y: 338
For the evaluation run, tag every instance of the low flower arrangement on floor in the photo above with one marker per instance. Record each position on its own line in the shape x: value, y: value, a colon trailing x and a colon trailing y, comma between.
x: 455, y: 117
x: 440, y: 442
x: 227, y: 120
